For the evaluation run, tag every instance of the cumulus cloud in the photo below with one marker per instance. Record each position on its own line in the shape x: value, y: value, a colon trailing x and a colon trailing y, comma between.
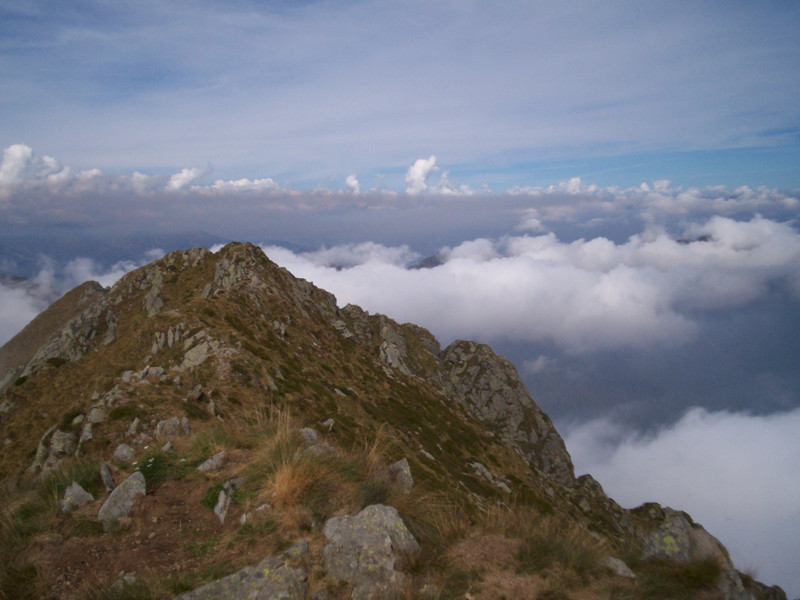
x: 352, y: 184
x: 417, y: 175
x: 185, y: 178
x: 583, y: 295
x: 21, y: 164
x: 735, y: 473
x: 265, y: 184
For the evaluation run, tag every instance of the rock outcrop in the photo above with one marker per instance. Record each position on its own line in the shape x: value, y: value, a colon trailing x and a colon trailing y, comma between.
x: 279, y: 577
x: 489, y: 387
x: 121, y: 500
x: 367, y: 550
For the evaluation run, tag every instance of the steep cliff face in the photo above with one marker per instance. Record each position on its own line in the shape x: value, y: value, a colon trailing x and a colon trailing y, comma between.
x: 208, y: 356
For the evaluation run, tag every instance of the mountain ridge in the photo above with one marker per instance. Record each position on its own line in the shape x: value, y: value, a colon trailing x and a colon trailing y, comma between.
x: 202, y: 338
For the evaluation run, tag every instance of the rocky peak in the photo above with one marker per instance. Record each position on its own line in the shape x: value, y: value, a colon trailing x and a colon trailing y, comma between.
x: 489, y: 387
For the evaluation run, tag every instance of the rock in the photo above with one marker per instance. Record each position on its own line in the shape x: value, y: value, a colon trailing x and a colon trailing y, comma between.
x: 74, y: 496
x: 96, y: 415
x: 399, y: 473
x: 133, y: 428
x: 309, y: 435
x: 107, y: 477
x: 485, y: 474
x: 196, y: 355
x: 124, y: 453
x: 682, y: 541
x: 221, y: 508
x: 86, y: 434
x: 328, y: 424
x: 273, y: 578
x: 213, y: 463
x: 121, y: 500
x: 62, y: 444
x: 489, y: 387
x: 172, y: 427
x: 618, y: 567
x: 166, y: 447
x: 365, y: 550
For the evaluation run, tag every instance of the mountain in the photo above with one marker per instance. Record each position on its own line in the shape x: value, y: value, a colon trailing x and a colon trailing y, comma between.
x: 213, y: 427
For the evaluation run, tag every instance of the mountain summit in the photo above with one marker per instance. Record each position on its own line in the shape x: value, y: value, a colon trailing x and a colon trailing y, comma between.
x: 213, y: 427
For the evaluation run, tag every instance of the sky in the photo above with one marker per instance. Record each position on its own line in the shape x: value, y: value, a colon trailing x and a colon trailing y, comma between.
x: 611, y: 193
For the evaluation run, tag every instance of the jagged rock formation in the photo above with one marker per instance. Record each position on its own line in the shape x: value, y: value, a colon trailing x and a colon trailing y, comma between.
x: 20, y: 349
x: 156, y: 378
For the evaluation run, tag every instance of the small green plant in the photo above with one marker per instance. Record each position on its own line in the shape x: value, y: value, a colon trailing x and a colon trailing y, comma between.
x: 158, y: 466
x: 212, y: 496
x: 201, y: 548
x: 56, y: 361
x: 666, y: 579
x: 126, y: 411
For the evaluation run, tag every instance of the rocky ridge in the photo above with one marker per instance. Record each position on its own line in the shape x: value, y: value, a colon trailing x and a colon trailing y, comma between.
x: 178, y: 349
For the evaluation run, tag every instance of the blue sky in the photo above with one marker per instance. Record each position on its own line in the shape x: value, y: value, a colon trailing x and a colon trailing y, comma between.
x: 502, y: 93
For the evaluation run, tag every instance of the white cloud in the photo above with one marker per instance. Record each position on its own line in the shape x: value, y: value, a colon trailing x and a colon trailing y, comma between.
x: 20, y: 305
x: 417, y: 175
x: 21, y: 164
x: 352, y: 184
x: 265, y: 184
x: 734, y: 473
x: 184, y: 178
x: 582, y: 295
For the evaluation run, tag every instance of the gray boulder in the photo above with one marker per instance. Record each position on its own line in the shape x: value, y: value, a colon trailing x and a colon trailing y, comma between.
x: 121, y: 500
x: 213, y: 463
x: 309, y: 435
x: 399, y: 473
x: 618, y: 567
x: 74, y: 496
x: 366, y: 549
x: 97, y: 415
x: 123, y: 452
x: 107, y: 477
x: 172, y: 427
x: 274, y: 578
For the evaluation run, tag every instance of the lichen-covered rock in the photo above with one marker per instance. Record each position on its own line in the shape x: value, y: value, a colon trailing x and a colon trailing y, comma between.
x: 74, y: 496
x: 489, y: 387
x: 366, y: 550
x: 122, y: 499
x: 274, y: 578
x: 679, y: 539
